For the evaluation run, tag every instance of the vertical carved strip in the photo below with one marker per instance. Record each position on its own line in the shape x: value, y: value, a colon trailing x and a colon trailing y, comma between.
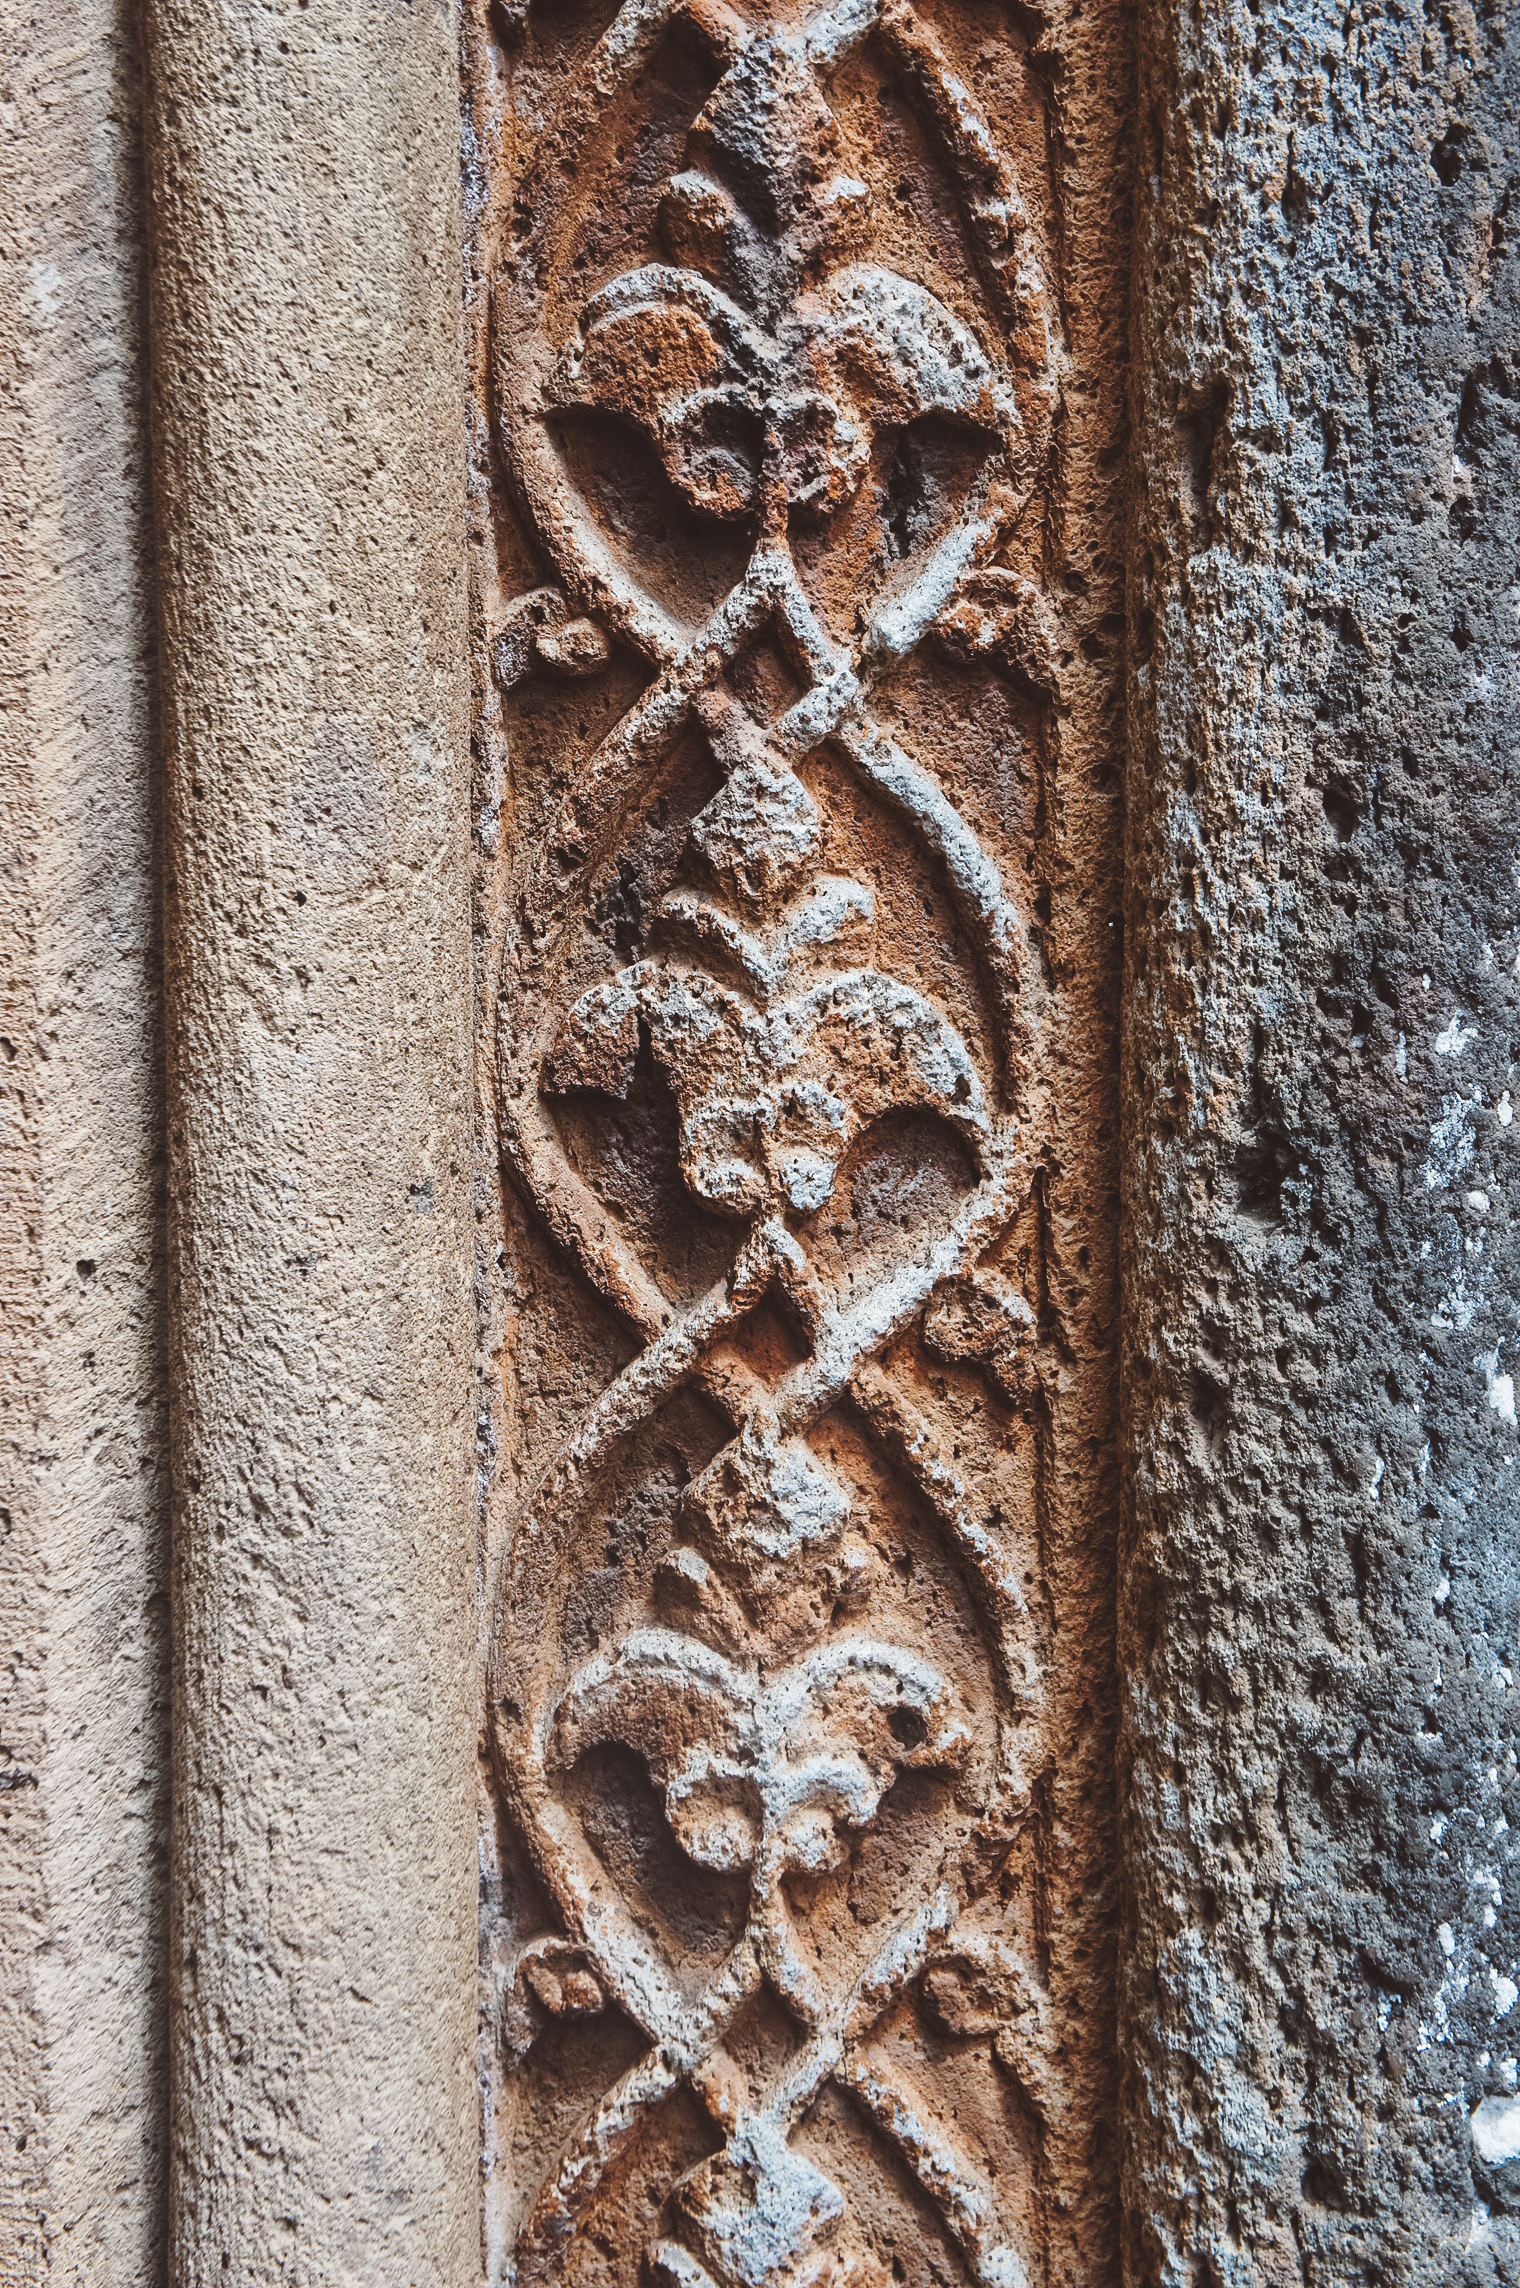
x: 797, y: 830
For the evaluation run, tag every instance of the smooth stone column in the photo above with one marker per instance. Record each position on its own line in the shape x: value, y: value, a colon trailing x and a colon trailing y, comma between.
x: 309, y: 484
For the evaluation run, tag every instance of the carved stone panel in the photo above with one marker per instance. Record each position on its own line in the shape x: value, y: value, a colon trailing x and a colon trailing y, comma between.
x: 796, y: 831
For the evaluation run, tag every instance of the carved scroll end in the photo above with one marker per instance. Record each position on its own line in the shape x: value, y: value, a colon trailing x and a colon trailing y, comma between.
x: 1002, y: 617
x: 509, y: 21
x: 982, y: 1320
x: 981, y: 1989
x: 552, y: 1979
x: 538, y: 634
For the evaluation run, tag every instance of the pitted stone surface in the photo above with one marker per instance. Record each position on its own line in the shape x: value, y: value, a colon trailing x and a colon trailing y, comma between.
x: 1318, y: 1616
x: 84, y: 1686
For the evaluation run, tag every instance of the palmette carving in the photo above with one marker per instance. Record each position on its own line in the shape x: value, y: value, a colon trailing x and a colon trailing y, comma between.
x: 809, y: 1633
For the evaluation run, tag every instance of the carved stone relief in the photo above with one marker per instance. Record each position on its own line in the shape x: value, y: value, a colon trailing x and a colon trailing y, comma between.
x: 783, y: 1502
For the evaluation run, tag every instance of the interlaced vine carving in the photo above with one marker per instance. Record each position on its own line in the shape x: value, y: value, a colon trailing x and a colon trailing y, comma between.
x: 809, y: 1629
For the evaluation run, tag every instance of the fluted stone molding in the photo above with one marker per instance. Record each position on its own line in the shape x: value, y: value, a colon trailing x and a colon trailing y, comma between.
x: 83, y: 1451
x: 309, y: 490
x: 1319, y: 2030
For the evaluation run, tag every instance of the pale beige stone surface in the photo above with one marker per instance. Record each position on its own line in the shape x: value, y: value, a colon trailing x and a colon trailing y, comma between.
x: 83, y: 1574
x: 309, y: 468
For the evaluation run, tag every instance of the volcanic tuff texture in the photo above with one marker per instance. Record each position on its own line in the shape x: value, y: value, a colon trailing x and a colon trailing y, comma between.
x: 796, y: 364
x: 1323, y: 929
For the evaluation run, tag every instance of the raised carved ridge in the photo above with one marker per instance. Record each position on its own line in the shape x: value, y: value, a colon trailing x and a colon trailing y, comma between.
x: 810, y: 1631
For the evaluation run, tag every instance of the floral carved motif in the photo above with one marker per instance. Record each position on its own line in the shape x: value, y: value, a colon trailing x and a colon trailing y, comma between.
x: 766, y: 1681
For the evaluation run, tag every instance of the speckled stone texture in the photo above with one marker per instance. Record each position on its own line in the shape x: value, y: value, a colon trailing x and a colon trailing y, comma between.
x: 816, y: 1941
x: 307, y: 384
x: 83, y: 1431
x: 1319, y: 1567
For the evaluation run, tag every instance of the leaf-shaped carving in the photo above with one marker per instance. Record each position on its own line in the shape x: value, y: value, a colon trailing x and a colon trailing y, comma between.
x: 879, y: 334
x: 771, y: 1099
x: 765, y: 1778
x: 728, y: 406
x: 666, y: 350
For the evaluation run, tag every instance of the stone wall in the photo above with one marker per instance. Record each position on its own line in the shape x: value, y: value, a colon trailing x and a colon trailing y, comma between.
x: 930, y: 674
